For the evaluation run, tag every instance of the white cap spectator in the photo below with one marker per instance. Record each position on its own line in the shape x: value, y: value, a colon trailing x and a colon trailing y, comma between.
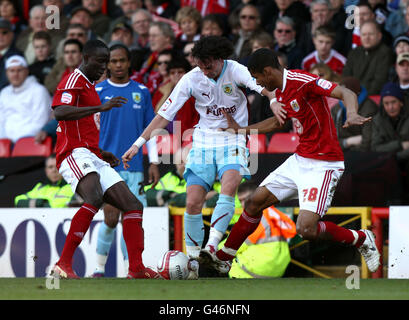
x: 16, y: 61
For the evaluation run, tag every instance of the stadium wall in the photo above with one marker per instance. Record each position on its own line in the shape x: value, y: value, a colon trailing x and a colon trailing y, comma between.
x: 31, y: 240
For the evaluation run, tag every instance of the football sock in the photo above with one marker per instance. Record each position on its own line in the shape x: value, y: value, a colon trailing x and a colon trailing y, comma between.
x: 134, y: 238
x: 79, y: 226
x: 222, y: 214
x: 194, y: 233
x: 340, y: 234
x: 244, y: 227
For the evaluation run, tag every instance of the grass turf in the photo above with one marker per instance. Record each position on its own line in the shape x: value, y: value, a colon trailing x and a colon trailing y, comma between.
x: 204, y: 289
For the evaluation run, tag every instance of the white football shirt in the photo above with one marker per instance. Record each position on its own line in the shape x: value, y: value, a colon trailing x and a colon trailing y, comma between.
x: 211, y: 96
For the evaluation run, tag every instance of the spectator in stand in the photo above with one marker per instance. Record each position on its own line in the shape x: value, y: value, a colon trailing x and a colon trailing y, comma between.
x: 357, y: 138
x: 285, y: 35
x: 250, y: 24
x: 187, y: 53
x: 297, y: 10
x: 74, y: 31
x: 164, y: 58
x: 398, y: 20
x: 324, y: 39
x: 390, y: 126
x: 380, y: 10
x: 71, y: 59
x: 24, y: 103
x: 9, y: 11
x: 7, y: 48
x: 257, y: 41
x: 128, y: 8
x: 208, y: 7
x: 321, y: 14
x: 44, y: 58
x: 363, y: 13
x: 123, y: 33
x: 213, y: 25
x: 82, y: 16
x: 54, y: 192
x: 402, y: 74
x: 100, y: 22
x: 189, y: 20
x: 161, y: 37
x: 141, y: 21
x: 187, y: 115
x: 36, y: 23
x: 371, y: 61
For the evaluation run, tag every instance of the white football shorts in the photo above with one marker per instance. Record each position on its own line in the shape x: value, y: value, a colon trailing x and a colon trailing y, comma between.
x: 81, y: 162
x: 312, y: 181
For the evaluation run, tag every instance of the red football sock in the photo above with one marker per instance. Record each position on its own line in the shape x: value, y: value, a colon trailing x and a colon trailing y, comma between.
x: 134, y: 238
x: 244, y: 227
x: 339, y: 234
x: 79, y: 226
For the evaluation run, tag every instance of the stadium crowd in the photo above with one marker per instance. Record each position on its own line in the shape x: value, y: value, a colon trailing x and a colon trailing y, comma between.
x: 366, y: 50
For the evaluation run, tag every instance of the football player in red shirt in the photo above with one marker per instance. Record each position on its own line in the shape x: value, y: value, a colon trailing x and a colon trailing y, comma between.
x: 87, y: 168
x: 311, y: 173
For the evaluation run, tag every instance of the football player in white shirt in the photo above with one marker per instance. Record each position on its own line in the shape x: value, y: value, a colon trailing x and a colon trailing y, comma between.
x: 216, y: 84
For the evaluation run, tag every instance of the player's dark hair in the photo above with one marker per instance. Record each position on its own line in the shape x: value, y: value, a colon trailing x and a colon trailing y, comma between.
x: 247, y: 186
x: 73, y: 41
x: 262, y: 58
x: 212, y: 47
x: 121, y: 46
x: 91, y: 47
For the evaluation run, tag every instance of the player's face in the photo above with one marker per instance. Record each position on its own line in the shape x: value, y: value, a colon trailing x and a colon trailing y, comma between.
x: 97, y: 64
x: 119, y: 64
x: 211, y: 68
x: 264, y: 79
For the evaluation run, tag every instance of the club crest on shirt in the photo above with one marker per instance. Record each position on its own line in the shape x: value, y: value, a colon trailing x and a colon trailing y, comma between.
x: 136, y: 96
x: 324, y: 84
x: 294, y: 105
x: 227, y: 89
x: 66, y: 97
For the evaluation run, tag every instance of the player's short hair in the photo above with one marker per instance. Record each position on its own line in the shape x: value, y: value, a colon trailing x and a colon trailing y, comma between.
x: 262, y: 58
x: 117, y: 46
x: 91, y: 47
x: 212, y: 47
x: 246, y: 186
x: 73, y: 41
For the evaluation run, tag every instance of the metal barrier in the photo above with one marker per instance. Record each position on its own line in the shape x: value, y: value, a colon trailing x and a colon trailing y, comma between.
x: 362, y: 213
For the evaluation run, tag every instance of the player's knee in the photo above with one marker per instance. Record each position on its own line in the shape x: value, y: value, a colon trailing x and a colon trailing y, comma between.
x: 111, y: 216
x: 135, y: 205
x: 306, y: 232
x: 193, y: 206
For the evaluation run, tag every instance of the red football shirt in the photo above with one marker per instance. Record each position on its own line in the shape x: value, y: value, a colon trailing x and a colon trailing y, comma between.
x: 303, y: 95
x: 76, y: 90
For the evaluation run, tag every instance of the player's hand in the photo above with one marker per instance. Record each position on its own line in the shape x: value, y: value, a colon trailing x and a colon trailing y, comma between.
x: 110, y: 158
x: 355, y: 119
x: 279, y: 112
x: 115, y: 102
x: 154, y: 175
x: 128, y: 155
x: 231, y: 123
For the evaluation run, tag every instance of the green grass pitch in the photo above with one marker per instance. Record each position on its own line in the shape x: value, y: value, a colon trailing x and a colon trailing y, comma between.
x: 204, y: 289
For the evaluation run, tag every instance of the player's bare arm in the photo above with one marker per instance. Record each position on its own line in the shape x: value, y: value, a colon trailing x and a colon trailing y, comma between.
x: 65, y: 112
x: 350, y: 101
x: 158, y: 122
x: 265, y: 126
